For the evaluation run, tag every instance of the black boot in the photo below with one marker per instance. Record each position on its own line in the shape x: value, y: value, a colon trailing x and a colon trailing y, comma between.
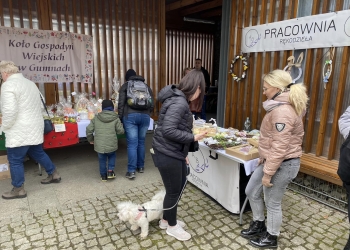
x: 256, y: 228
x: 265, y: 241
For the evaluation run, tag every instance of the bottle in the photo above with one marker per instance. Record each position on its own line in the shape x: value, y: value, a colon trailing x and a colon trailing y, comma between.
x: 247, y: 125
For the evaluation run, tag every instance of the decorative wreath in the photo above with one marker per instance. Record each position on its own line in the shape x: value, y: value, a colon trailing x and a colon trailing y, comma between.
x: 291, y: 63
x: 245, y: 67
x: 327, y: 67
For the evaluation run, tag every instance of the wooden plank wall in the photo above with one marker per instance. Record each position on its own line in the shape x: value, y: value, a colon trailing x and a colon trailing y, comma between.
x: 182, y: 48
x: 244, y: 99
x: 126, y: 33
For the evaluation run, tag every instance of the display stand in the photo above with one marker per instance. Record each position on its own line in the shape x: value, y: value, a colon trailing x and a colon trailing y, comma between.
x: 218, y: 174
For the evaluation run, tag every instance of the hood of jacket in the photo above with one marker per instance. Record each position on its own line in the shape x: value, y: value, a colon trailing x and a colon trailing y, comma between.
x: 107, y: 116
x: 169, y: 91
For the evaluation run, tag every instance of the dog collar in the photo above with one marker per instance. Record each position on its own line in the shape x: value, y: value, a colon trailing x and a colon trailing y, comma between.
x: 140, y: 212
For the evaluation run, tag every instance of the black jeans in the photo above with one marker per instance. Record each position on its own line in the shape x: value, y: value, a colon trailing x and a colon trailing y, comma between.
x: 173, y: 172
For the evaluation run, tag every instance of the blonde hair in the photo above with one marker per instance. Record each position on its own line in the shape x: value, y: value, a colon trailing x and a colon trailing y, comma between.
x: 297, y: 91
x: 8, y: 67
x: 185, y: 69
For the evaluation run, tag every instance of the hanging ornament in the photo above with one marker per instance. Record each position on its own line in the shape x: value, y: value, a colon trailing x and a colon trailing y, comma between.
x: 327, y: 66
x: 297, y: 65
x: 244, y: 61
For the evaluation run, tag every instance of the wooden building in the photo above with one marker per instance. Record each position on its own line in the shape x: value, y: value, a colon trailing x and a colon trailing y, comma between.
x: 152, y: 37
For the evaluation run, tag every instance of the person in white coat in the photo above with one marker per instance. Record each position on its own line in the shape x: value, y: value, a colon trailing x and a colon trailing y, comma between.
x: 23, y: 125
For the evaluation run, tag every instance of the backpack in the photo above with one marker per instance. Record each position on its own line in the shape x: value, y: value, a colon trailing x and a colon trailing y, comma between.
x: 137, y: 94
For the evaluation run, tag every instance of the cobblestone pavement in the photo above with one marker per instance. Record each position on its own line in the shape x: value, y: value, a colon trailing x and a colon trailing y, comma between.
x: 93, y: 224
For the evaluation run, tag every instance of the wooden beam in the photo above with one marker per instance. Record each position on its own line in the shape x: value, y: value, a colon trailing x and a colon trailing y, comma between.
x: 214, y: 13
x: 326, y: 98
x: 201, y: 7
x: 242, y: 86
x: 250, y: 72
x: 1, y: 14
x: 162, y: 54
x: 313, y: 93
x: 258, y: 73
x: 180, y: 4
x: 236, y: 104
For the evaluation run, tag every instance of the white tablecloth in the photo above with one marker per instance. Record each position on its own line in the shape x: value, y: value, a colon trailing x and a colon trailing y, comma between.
x: 84, y: 123
x: 219, y: 177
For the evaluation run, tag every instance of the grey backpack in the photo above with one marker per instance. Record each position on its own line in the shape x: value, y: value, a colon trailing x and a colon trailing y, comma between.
x: 137, y: 94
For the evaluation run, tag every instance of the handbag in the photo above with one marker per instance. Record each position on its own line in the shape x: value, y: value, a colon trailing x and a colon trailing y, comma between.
x: 194, y: 146
x: 48, y: 126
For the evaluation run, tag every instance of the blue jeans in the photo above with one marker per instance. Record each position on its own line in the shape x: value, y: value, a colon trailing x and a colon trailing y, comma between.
x: 102, y: 159
x: 16, y: 156
x: 136, y: 126
x: 272, y: 195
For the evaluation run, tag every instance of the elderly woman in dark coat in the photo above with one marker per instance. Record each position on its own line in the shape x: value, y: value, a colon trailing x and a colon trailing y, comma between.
x: 171, y: 142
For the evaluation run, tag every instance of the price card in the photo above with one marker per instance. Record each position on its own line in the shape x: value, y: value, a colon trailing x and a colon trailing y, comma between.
x: 60, y: 127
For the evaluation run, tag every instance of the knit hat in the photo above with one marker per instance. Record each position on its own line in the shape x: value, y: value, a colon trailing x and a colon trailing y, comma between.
x: 129, y: 74
x: 106, y: 104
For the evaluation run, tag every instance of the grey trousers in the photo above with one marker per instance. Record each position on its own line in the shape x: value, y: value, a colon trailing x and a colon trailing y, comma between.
x: 273, y: 195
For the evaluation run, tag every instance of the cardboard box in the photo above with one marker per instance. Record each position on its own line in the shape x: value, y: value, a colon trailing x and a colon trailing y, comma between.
x: 4, y: 168
x: 235, y: 151
x: 253, y: 142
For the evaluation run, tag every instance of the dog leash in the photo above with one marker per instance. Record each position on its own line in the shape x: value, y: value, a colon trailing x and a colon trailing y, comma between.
x: 164, y: 209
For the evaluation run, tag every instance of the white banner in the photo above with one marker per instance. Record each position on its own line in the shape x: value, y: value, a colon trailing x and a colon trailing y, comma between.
x: 318, y: 31
x: 48, y: 56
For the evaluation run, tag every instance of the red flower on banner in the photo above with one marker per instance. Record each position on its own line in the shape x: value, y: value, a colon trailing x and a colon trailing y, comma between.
x: 89, y: 61
x: 52, y: 33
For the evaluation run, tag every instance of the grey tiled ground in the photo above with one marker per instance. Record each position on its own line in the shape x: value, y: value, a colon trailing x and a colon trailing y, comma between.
x: 80, y: 213
x: 93, y: 224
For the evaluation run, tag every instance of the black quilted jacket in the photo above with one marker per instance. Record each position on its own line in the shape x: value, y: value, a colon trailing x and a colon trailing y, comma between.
x: 174, y: 128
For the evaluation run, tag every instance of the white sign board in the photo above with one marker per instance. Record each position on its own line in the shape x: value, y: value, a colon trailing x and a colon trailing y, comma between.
x: 318, y: 31
x: 48, y: 56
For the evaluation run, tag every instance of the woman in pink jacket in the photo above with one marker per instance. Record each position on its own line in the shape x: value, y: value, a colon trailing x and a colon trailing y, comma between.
x: 281, y: 136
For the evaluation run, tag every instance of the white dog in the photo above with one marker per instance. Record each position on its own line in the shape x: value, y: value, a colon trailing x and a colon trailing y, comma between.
x: 140, y: 215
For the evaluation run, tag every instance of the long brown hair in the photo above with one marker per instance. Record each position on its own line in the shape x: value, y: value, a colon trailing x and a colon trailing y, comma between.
x: 190, y: 82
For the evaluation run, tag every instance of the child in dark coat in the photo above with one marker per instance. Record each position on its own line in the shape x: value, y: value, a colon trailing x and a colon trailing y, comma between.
x: 102, y: 132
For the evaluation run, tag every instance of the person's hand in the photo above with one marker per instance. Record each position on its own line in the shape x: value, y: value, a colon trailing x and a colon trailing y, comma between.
x: 200, y: 136
x: 187, y: 161
x: 92, y: 142
x: 261, y: 161
x: 266, y: 180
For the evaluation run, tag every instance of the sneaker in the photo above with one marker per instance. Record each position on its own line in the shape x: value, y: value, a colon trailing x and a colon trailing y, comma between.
x: 140, y: 170
x: 130, y: 175
x: 163, y: 224
x: 104, y: 177
x: 52, y: 178
x: 178, y: 232
x: 110, y: 174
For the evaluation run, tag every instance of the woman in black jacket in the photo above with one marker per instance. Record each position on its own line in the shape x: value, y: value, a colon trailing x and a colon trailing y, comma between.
x: 171, y: 142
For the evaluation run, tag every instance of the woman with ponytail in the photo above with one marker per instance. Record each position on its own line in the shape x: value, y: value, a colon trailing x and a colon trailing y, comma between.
x: 281, y: 137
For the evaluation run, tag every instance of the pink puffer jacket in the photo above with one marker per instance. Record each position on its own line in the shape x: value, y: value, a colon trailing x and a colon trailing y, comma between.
x: 281, y: 135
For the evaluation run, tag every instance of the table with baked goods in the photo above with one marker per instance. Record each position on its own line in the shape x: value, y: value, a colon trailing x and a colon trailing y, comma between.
x: 73, y: 134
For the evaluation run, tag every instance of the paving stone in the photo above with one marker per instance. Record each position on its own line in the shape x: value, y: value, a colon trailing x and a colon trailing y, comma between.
x: 93, y: 224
